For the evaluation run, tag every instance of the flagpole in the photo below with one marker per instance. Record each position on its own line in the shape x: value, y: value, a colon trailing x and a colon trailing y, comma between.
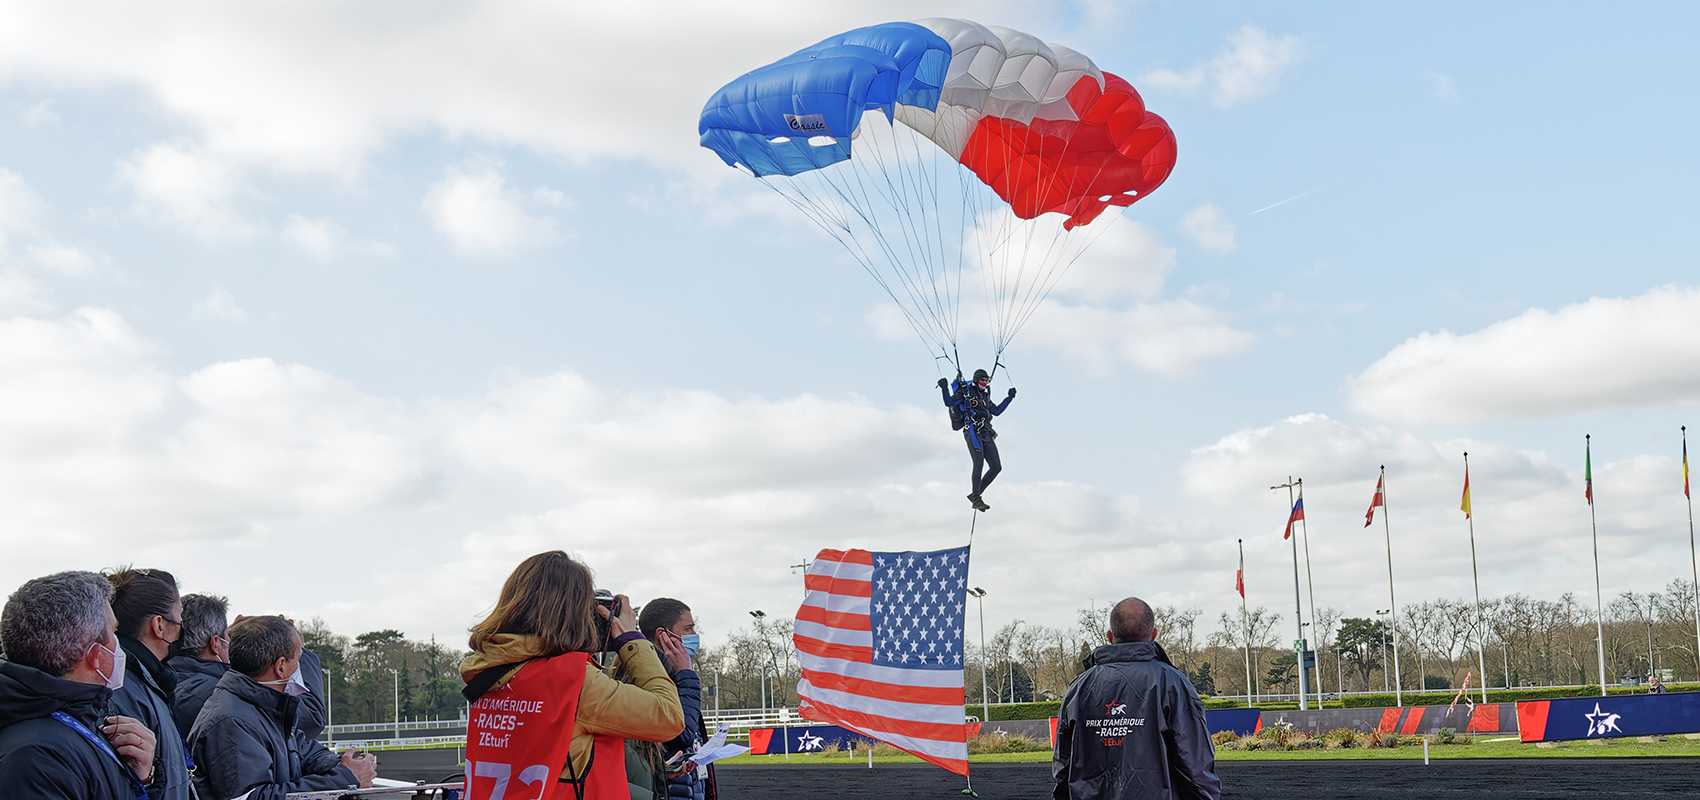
x: 1475, y: 577
x: 1387, y: 530
x: 1310, y: 591
x: 1245, y: 624
x: 1298, y: 600
x: 1593, y: 522
x: 1693, y: 562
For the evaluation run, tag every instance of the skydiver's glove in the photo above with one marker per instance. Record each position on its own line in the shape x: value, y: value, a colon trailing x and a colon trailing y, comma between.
x: 944, y: 384
x: 1012, y: 391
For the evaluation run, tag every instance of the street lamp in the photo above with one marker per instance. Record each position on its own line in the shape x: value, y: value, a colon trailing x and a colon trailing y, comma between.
x: 760, y: 616
x: 397, y: 676
x: 985, y: 708
x: 1384, y: 686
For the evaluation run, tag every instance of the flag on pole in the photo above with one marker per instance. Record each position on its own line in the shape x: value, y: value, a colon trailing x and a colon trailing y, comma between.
x: 1239, y: 576
x: 1298, y: 514
x: 879, y: 637
x: 1465, y: 506
x: 1685, y: 467
x: 1588, y: 471
x: 1369, y: 516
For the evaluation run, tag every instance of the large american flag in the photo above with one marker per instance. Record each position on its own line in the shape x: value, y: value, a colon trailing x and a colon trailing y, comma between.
x: 880, y: 640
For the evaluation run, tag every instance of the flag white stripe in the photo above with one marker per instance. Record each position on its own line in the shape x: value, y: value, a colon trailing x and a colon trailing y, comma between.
x: 815, y: 630
x: 918, y: 712
x: 932, y: 747
x: 842, y: 569
x: 930, y: 678
x: 842, y: 603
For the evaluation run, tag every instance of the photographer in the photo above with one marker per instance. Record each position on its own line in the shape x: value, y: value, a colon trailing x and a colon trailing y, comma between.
x: 538, y: 639
x: 671, y: 626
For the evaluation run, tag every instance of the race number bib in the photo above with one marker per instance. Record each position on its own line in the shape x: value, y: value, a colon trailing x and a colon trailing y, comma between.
x: 517, y: 736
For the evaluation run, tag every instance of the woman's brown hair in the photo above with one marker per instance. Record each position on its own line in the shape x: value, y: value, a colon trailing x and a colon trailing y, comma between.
x: 549, y: 595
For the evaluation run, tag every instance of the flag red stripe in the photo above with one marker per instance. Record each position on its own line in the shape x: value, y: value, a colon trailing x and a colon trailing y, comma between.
x: 834, y: 619
x: 816, y: 647
x: 846, y: 556
x: 919, y: 730
x: 843, y: 586
x: 930, y: 695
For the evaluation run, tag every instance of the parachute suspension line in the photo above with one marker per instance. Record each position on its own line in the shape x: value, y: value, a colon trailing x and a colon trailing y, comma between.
x: 837, y: 226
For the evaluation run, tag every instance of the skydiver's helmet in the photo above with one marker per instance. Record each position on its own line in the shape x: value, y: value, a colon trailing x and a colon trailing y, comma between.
x: 981, y: 377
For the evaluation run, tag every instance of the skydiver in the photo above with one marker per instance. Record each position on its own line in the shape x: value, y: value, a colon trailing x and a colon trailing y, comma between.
x: 971, y: 411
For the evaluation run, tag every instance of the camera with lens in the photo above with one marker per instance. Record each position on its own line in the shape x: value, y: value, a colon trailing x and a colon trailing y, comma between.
x: 605, y: 599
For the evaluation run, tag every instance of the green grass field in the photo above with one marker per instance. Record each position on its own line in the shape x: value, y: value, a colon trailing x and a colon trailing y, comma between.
x: 1485, y: 748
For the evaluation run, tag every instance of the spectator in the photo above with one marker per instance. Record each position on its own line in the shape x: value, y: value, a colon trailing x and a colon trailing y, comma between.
x: 667, y: 620
x: 150, y: 618
x: 202, y: 656
x: 1132, y: 726
x: 62, y: 660
x: 546, y: 611
x: 245, y: 738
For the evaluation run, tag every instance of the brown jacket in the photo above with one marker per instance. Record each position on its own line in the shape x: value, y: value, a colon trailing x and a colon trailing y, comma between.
x: 647, y: 708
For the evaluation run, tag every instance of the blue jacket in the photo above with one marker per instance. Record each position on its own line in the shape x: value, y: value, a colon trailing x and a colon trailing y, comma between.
x: 976, y: 408
x: 41, y: 758
x: 195, y: 681
x: 688, y: 786
x: 146, y: 695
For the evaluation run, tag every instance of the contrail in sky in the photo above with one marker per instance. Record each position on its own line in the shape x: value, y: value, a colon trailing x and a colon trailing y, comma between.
x: 1294, y: 197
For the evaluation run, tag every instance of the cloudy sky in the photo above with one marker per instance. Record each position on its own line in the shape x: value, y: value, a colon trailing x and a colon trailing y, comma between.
x: 342, y: 309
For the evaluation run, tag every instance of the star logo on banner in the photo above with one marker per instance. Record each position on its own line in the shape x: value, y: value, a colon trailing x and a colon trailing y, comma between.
x: 809, y: 741
x: 1601, y: 722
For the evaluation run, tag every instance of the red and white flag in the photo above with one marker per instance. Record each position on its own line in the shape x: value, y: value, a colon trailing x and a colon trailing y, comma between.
x: 1239, y: 577
x: 879, y: 637
x: 1379, y: 501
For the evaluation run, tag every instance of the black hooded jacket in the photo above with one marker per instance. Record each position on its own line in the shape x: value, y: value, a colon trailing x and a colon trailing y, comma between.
x: 195, y: 681
x: 146, y: 695
x: 41, y: 757
x: 246, y: 739
x: 1132, y: 726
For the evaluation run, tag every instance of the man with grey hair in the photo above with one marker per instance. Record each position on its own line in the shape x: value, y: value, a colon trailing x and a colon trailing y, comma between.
x: 246, y: 741
x: 202, y: 656
x: 62, y: 662
x: 1132, y: 726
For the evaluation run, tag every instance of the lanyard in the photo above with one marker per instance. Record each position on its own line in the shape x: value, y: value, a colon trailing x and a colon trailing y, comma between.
x: 101, y: 745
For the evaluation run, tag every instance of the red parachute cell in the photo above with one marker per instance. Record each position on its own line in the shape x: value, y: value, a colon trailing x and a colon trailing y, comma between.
x: 1114, y: 154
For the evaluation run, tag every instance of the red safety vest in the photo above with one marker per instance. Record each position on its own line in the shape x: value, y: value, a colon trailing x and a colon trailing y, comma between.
x: 519, y: 736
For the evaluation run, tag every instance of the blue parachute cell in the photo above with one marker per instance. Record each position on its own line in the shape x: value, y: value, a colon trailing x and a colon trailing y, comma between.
x: 797, y: 114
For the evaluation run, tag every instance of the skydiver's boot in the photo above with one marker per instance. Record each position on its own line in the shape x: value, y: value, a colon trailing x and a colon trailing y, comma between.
x: 979, y: 505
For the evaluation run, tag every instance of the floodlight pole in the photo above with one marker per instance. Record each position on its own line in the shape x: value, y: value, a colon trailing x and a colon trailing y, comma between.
x: 985, y: 705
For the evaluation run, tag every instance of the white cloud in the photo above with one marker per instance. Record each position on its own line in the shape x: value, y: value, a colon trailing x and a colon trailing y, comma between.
x: 318, y: 85
x: 1127, y: 259
x: 474, y: 208
x: 21, y: 209
x: 1209, y: 227
x: 221, y: 305
x: 1440, y: 85
x: 39, y: 114
x: 19, y: 295
x: 63, y: 258
x: 1173, y: 337
x: 178, y: 183
x: 1249, y: 67
x: 323, y: 239
x: 690, y: 443
x: 1604, y: 353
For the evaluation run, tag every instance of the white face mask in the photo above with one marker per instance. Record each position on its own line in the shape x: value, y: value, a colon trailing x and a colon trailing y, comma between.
x: 294, y: 685
x: 116, y: 679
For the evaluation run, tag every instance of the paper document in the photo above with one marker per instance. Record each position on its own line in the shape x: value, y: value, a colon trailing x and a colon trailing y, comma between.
x: 716, y: 748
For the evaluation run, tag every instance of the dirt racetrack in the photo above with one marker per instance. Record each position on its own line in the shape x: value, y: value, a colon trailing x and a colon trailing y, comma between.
x: 1500, y: 779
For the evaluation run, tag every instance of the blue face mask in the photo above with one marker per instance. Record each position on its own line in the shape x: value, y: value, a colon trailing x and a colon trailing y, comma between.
x: 691, y: 642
